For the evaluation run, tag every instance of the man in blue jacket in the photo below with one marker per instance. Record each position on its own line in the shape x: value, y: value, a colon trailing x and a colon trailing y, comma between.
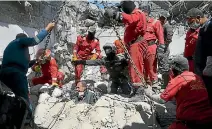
x: 16, y: 59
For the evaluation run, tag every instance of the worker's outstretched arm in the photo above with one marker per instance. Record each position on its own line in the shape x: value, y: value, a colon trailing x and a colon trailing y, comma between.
x: 172, y: 88
x: 38, y: 38
x: 89, y: 62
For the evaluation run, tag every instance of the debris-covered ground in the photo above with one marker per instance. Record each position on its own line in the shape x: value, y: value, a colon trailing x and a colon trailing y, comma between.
x: 55, y: 110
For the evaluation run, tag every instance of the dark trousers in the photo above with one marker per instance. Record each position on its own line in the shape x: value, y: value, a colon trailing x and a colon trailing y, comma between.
x: 125, y: 87
x: 208, y: 85
x: 16, y: 81
x: 165, y: 77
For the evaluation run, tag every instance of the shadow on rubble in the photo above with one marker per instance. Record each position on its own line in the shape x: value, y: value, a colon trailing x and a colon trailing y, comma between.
x: 136, y: 126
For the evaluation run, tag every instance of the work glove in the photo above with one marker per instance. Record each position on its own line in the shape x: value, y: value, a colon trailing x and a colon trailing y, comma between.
x: 50, y: 26
x: 74, y: 58
x: 94, y: 57
x: 54, y: 84
x: 37, y: 68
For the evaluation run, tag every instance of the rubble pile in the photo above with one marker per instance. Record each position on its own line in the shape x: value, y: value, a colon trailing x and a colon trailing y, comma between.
x: 110, y: 111
x: 56, y: 109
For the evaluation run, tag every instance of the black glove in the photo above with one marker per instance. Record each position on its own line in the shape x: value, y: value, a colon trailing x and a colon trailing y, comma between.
x: 161, y: 48
x: 77, y: 62
x: 32, y: 62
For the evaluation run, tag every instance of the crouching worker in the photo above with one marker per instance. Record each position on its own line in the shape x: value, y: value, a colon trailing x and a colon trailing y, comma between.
x: 48, y: 67
x: 84, y: 94
x: 116, y: 65
x: 193, y: 107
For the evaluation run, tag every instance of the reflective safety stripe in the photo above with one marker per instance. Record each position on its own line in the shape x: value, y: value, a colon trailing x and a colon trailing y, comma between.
x: 37, y: 40
x: 54, y: 79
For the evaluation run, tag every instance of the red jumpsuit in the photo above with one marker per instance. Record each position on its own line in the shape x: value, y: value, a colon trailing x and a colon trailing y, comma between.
x: 190, y: 45
x: 50, y: 73
x: 135, y: 26
x: 83, y: 50
x: 153, y: 33
x: 191, y: 98
x: 119, y: 47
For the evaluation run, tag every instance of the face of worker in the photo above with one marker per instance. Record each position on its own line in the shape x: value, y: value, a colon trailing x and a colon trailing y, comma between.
x: 162, y: 20
x: 80, y: 87
x: 109, y: 52
x: 194, y: 23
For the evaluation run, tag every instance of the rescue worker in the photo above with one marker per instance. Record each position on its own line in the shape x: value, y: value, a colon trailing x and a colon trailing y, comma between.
x: 193, y: 109
x: 47, y: 65
x: 83, y: 50
x: 154, y: 35
x: 84, y: 94
x: 116, y: 66
x: 119, y: 47
x: 135, y: 28
x: 191, y: 39
x: 203, y: 53
x: 16, y: 59
x: 163, y: 66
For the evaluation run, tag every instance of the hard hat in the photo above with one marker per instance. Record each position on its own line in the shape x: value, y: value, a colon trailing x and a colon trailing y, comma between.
x: 110, y: 45
x: 179, y: 63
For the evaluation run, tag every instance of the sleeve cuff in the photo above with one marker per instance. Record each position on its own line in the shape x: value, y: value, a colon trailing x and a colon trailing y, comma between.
x: 41, y: 35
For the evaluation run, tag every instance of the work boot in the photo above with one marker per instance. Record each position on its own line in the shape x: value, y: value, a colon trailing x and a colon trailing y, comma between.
x: 137, y: 95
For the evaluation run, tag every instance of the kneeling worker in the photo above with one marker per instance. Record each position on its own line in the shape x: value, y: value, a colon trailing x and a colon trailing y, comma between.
x: 193, y: 107
x: 49, y: 68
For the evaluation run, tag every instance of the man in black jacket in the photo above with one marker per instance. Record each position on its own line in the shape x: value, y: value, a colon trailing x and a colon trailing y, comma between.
x: 168, y: 33
x: 116, y: 66
x: 203, y: 52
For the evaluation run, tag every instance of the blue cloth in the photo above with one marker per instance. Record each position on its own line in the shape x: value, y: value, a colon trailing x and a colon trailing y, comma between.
x: 15, y: 64
x: 17, y: 52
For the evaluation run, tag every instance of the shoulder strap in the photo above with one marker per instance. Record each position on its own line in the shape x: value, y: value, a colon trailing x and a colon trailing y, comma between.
x: 206, y: 25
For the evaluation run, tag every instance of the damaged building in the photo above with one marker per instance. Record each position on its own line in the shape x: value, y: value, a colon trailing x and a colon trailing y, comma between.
x: 53, y: 108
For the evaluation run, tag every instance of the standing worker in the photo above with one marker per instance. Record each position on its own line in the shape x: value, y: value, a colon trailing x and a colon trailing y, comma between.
x: 116, y: 65
x: 191, y: 39
x: 135, y: 28
x: 163, y: 66
x: 16, y: 59
x: 154, y: 35
x: 203, y: 52
x: 83, y: 50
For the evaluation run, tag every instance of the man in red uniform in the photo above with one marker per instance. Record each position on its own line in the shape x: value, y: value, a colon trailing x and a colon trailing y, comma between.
x: 83, y: 50
x: 193, y: 106
x: 135, y: 28
x: 193, y: 109
x: 119, y: 47
x: 191, y: 40
x: 154, y: 34
x: 49, y: 69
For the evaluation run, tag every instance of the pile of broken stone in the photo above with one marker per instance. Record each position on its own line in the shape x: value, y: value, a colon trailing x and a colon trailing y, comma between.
x: 55, y: 109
